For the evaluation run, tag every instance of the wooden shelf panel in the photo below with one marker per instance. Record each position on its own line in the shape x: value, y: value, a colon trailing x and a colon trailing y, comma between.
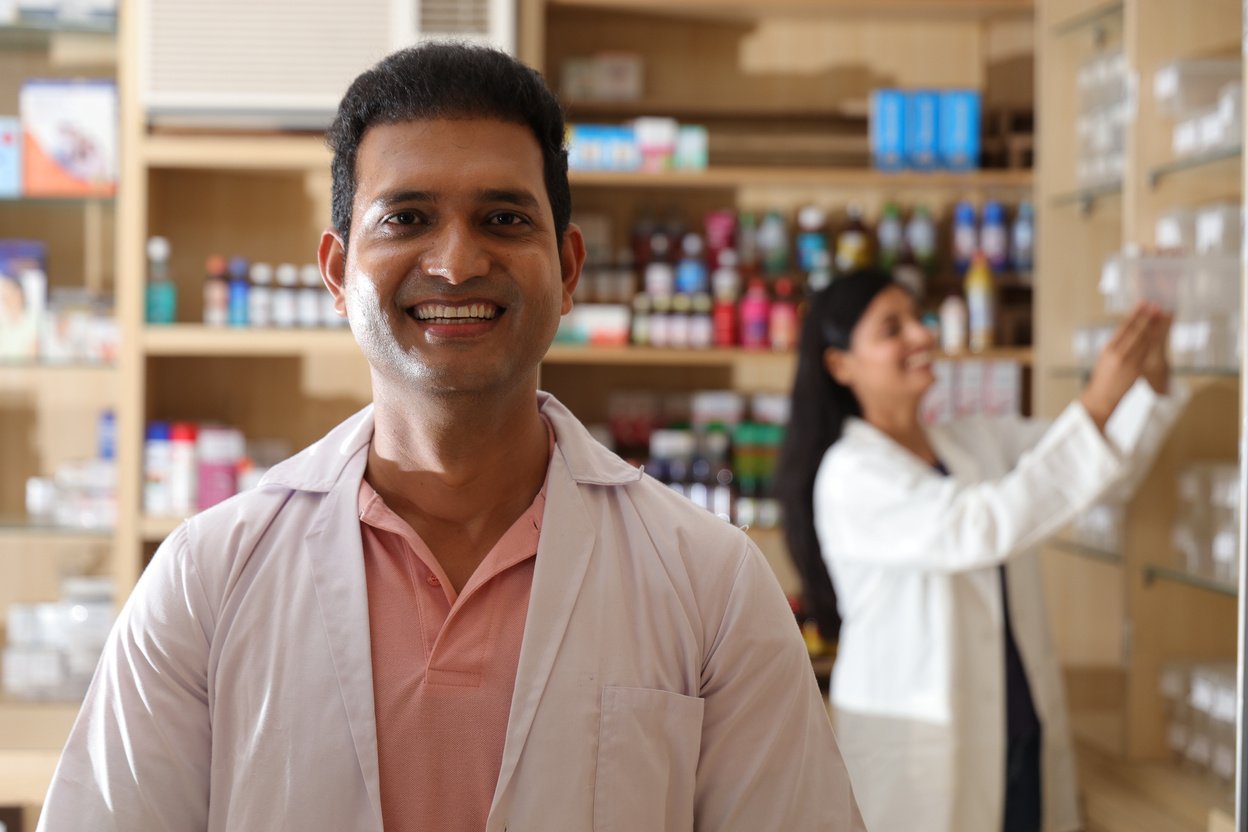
x: 262, y: 152
x: 846, y: 178
x: 25, y: 776
x: 743, y: 9
x: 154, y: 529
x: 35, y: 726
x: 197, y: 339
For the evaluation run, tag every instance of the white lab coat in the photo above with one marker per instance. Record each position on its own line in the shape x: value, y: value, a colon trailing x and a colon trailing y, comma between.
x: 662, y: 683
x: 918, y: 688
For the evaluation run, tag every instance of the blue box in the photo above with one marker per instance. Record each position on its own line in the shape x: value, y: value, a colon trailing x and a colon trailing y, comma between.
x: 888, y: 134
x: 959, y: 129
x: 10, y: 157
x: 922, y: 129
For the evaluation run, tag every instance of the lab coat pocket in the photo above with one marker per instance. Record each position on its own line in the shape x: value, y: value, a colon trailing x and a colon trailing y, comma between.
x: 648, y: 748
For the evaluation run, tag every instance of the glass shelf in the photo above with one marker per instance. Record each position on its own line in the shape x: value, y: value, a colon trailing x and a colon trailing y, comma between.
x: 1087, y: 196
x: 1196, y: 161
x: 1183, y: 372
x: 1083, y: 550
x: 1166, y: 573
x: 56, y: 200
x: 27, y: 33
x: 20, y: 525
x: 1098, y: 16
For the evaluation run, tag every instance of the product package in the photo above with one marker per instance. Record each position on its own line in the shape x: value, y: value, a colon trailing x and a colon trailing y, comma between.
x: 922, y: 129
x: 888, y: 135
x: 69, y: 144
x: 10, y: 157
x: 958, y: 129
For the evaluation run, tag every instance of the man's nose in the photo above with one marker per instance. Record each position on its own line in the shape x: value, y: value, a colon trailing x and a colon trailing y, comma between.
x: 455, y: 253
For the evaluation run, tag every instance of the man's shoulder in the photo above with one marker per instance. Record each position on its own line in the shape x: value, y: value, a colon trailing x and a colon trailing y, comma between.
x: 665, y: 513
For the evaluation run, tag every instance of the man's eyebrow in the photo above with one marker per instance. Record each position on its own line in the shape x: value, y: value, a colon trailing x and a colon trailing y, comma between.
x: 521, y: 198
x: 389, y: 198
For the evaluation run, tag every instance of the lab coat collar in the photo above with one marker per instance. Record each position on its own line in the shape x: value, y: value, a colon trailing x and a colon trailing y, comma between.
x: 320, y: 465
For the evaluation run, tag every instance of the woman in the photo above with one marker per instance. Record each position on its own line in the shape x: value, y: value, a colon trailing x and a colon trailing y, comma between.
x: 946, y: 695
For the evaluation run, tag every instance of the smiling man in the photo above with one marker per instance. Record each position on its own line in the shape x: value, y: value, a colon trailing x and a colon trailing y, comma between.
x: 456, y: 611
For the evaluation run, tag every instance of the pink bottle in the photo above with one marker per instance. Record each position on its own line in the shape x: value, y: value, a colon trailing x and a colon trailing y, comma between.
x: 783, y: 319
x: 755, y: 315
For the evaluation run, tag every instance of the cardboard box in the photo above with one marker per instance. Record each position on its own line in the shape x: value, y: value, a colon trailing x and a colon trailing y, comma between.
x: 959, y: 126
x: 10, y: 157
x: 23, y: 298
x: 69, y: 137
x: 888, y: 134
x: 922, y: 129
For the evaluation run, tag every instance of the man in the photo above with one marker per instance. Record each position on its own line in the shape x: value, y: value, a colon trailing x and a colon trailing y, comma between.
x: 456, y: 611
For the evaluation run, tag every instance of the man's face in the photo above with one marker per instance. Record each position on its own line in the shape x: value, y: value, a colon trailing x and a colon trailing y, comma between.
x: 454, y: 279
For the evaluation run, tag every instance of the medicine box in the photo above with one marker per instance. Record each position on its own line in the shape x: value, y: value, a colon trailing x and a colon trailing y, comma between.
x: 922, y: 129
x: 69, y: 137
x: 10, y: 157
x: 888, y: 108
x: 958, y: 124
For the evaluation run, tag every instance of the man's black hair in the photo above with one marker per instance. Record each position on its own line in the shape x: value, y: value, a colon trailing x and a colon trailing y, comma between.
x: 448, y: 80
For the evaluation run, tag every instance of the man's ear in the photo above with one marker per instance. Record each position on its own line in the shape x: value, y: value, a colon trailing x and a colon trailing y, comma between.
x: 332, y: 258
x: 571, y: 262
x: 837, y: 364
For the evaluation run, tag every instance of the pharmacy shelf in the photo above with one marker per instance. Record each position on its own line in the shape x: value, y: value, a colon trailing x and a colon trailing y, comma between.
x: 1083, y: 550
x: 1086, y: 198
x: 807, y: 177
x: 1102, y: 14
x: 1121, y: 796
x: 259, y: 152
x: 1211, y: 162
x: 200, y: 340
x: 18, y: 526
x: 55, y: 201
x: 1192, y: 373
x: 1179, y: 576
x: 746, y: 10
x: 35, y: 726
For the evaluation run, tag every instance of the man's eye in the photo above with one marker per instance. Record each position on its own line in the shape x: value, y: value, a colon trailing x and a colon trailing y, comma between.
x: 402, y: 218
x: 507, y: 218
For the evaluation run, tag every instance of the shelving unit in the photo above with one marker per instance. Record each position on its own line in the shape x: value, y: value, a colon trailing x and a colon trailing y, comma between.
x: 266, y: 196
x: 1118, y: 618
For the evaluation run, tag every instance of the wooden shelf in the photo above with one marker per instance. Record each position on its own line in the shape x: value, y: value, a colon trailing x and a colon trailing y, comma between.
x: 197, y: 339
x: 155, y: 529
x: 35, y: 726
x: 845, y: 178
x: 260, y: 152
x: 1146, y: 797
x: 743, y: 9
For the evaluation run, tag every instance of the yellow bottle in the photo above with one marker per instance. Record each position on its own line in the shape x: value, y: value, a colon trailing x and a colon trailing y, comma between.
x: 979, y: 304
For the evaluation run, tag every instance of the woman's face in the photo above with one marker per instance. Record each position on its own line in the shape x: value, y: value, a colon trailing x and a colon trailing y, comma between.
x: 889, y: 360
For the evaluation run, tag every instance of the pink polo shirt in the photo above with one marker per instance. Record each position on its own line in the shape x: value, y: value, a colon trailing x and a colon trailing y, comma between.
x: 444, y: 667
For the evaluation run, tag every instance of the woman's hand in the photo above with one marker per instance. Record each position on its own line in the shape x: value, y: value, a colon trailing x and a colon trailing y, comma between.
x: 1139, y: 339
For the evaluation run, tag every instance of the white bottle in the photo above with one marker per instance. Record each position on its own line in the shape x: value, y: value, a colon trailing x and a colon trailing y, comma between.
x: 286, y: 296
x: 311, y: 289
x: 260, y: 298
x: 953, y: 325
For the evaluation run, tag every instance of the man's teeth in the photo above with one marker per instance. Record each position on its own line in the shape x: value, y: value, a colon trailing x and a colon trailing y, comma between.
x: 431, y: 312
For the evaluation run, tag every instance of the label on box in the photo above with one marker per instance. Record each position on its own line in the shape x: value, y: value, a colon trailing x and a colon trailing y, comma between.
x: 69, y: 141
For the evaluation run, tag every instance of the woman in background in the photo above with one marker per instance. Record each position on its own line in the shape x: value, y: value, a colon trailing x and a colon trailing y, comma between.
x: 918, y: 545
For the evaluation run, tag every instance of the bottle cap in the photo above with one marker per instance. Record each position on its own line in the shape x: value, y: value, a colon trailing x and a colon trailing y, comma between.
x: 811, y: 218
x: 183, y: 432
x: 238, y: 268
x: 691, y: 245
x: 261, y: 274
x: 158, y: 249
x: 287, y: 275
x: 215, y: 265
x: 157, y: 431
x: 310, y: 275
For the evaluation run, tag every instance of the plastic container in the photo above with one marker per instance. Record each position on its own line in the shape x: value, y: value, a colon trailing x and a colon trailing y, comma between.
x: 1187, y: 286
x: 220, y: 450
x: 308, y: 306
x: 286, y: 296
x: 755, y: 316
x: 1183, y: 87
x: 158, y: 470
x: 965, y: 238
x: 216, y: 292
x: 260, y: 297
x: 184, y: 474
x: 162, y: 294
x: 1176, y: 231
x: 1219, y: 229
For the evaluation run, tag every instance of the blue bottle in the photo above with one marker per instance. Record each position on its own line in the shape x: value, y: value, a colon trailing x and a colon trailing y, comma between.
x: 994, y: 239
x: 162, y: 294
x: 239, y: 290
x: 965, y: 238
x: 691, y: 276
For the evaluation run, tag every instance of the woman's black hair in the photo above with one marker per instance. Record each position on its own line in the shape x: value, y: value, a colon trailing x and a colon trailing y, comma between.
x: 818, y: 410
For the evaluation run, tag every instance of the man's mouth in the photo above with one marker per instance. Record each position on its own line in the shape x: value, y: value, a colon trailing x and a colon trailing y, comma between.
x: 919, y: 359
x: 445, y: 313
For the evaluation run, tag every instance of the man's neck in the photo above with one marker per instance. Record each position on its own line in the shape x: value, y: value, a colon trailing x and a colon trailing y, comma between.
x: 458, y: 470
